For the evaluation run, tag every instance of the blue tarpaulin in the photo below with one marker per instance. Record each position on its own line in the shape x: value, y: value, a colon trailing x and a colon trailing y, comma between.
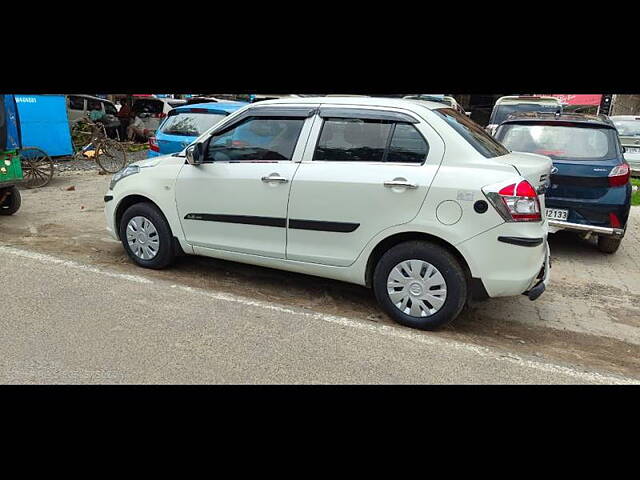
x: 44, y: 123
x: 9, y: 124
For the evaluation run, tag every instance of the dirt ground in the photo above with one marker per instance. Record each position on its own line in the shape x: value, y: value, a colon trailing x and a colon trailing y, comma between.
x: 589, y: 316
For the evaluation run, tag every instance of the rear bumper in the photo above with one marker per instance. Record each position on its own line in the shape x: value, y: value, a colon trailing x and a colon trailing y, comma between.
x: 555, y: 225
x: 508, y: 268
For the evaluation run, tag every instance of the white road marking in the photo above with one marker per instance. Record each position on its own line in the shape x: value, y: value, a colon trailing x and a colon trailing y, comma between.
x: 70, y: 264
x: 385, y: 330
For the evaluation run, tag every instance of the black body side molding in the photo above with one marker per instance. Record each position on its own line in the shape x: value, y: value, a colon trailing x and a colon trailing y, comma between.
x: 280, y: 222
x: 522, y: 241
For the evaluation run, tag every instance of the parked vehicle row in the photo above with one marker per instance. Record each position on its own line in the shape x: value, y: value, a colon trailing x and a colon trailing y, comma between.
x: 410, y: 198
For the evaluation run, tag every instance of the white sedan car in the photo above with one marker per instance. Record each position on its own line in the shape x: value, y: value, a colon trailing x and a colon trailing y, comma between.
x: 408, y: 197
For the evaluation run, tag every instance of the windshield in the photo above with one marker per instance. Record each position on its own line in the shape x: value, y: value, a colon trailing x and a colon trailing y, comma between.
x: 501, y: 112
x: 560, y: 142
x: 628, y: 128
x: 190, y: 124
x: 472, y: 132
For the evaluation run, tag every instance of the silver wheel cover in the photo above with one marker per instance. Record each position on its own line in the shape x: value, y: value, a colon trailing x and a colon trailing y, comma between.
x: 143, y: 238
x: 416, y: 288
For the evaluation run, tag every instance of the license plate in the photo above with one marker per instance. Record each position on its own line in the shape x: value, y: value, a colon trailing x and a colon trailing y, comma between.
x: 632, y: 149
x: 557, y: 214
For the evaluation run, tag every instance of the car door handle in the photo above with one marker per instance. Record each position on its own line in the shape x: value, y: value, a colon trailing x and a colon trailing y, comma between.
x: 398, y: 182
x: 275, y: 178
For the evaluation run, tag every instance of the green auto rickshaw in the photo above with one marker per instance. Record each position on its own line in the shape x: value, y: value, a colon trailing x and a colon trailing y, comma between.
x: 10, y: 164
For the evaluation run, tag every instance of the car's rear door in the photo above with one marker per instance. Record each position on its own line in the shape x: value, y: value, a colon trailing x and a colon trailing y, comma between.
x: 364, y: 170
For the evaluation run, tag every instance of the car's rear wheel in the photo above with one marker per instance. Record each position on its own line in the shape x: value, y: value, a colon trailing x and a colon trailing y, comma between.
x: 146, y: 236
x: 608, y: 244
x: 10, y: 200
x: 420, y: 284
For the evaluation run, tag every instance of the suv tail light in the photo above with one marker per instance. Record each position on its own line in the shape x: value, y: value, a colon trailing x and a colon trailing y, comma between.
x: 619, y: 175
x: 515, y: 202
x: 153, y: 144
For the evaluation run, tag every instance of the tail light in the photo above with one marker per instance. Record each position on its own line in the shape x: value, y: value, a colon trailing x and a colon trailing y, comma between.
x: 153, y: 144
x: 515, y: 202
x: 159, y: 115
x: 619, y: 175
x: 614, y: 220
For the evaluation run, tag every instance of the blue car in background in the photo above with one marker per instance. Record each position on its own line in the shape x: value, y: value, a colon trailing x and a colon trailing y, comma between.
x: 589, y: 188
x: 186, y: 123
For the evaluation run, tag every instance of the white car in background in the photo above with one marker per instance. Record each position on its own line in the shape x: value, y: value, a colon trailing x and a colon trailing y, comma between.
x: 506, y: 106
x: 438, y: 99
x: 410, y: 198
x: 153, y: 110
x: 628, y: 127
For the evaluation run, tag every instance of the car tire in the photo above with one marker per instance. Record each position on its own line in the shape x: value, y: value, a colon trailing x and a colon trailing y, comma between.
x: 150, y: 243
x: 13, y: 201
x: 608, y: 244
x: 423, y: 255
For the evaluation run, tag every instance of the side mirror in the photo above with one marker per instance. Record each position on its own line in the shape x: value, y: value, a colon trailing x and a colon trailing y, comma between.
x: 195, y: 154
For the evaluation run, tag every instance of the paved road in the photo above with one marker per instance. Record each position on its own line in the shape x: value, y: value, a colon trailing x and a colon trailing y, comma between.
x: 66, y: 322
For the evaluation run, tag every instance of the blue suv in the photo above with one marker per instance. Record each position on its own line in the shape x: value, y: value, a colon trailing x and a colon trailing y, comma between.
x: 589, y: 189
x: 183, y: 125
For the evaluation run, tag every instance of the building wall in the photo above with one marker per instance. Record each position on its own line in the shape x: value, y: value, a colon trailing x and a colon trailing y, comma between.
x: 625, y: 105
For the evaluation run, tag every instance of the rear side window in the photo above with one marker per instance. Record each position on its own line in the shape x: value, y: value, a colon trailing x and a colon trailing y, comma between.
x: 190, y: 124
x: 407, y: 145
x: 76, y: 103
x: 484, y: 143
x: 256, y: 138
x: 366, y: 140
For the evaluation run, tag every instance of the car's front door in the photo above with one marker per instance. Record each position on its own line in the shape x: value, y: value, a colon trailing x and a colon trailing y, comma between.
x: 237, y: 200
x: 363, y: 171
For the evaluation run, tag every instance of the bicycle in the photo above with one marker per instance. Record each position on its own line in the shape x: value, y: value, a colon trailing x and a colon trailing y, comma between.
x: 87, y: 135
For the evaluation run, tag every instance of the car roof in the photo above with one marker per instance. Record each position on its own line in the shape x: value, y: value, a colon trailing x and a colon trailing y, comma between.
x: 625, y: 117
x: 92, y: 97
x: 515, y: 99
x: 584, y: 118
x: 224, y: 106
x: 356, y: 101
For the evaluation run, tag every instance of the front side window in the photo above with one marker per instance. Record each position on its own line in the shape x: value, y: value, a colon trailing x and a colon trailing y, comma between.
x: 256, y: 138
x: 365, y: 140
x: 76, y: 103
x: 560, y: 141
x: 110, y: 109
x: 472, y: 133
x: 502, y: 111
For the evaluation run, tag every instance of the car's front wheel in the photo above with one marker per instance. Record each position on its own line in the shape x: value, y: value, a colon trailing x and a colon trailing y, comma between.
x: 420, y: 285
x: 146, y: 236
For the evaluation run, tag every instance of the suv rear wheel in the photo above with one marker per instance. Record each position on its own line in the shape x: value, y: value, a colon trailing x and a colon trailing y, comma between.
x: 608, y: 244
x: 420, y: 284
